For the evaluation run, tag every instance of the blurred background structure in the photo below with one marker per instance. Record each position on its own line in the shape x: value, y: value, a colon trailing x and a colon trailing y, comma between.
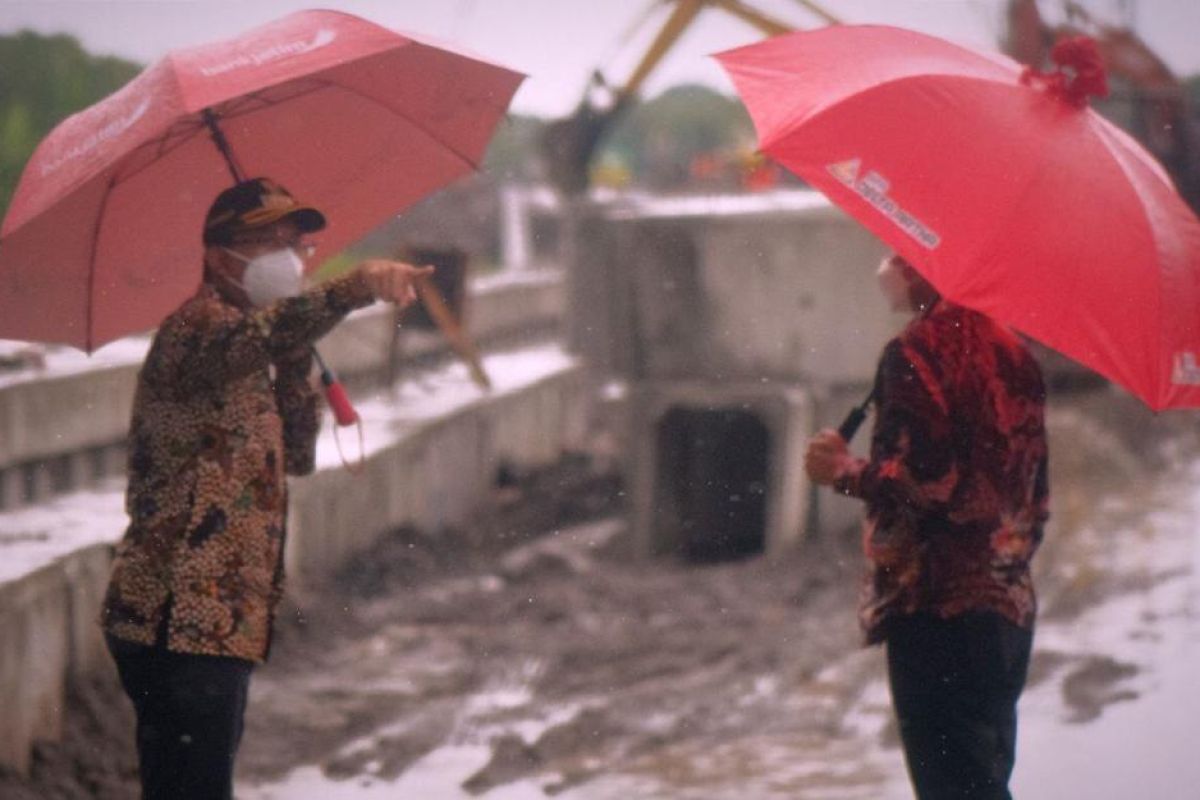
x: 647, y: 107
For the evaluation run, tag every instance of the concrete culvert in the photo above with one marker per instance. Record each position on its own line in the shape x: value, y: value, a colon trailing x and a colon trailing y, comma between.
x: 712, y: 479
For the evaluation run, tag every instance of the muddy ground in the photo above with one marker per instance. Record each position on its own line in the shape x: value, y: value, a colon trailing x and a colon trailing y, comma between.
x: 528, y: 655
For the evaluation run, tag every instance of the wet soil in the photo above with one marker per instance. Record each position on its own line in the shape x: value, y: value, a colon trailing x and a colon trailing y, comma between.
x: 94, y: 759
x: 557, y: 652
x: 531, y: 648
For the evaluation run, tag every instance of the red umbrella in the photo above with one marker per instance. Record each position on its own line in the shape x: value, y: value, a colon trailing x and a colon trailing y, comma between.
x: 1000, y: 185
x: 103, y: 234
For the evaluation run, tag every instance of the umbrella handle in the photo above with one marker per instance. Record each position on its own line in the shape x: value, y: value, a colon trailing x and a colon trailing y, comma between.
x: 335, y: 394
x: 855, y: 418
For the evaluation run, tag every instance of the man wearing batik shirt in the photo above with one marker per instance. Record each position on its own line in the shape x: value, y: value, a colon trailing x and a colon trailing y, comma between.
x: 956, y: 494
x: 224, y: 409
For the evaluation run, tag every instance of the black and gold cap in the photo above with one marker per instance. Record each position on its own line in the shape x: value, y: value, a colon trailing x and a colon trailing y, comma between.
x: 253, y: 204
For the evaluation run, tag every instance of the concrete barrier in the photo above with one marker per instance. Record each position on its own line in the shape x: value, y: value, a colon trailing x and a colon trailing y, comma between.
x: 499, y: 309
x: 436, y: 472
x: 49, y: 634
x: 65, y: 413
x: 433, y: 468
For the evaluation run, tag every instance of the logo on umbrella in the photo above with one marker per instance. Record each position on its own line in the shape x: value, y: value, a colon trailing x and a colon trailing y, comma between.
x: 106, y: 132
x: 1186, y: 371
x: 322, y: 37
x: 873, y: 188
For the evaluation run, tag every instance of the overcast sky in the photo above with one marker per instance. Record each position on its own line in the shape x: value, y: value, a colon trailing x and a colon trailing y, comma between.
x: 559, y: 42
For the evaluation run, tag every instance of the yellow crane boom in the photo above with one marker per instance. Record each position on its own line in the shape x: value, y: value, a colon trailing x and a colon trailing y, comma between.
x: 569, y: 143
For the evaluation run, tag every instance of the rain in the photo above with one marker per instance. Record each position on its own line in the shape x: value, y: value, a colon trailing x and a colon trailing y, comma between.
x: 580, y: 312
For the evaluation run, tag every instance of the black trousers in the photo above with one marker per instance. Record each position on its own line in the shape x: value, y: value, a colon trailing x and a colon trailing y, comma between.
x: 189, y: 719
x: 955, y: 684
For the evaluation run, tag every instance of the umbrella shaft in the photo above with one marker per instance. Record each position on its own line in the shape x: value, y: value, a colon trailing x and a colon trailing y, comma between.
x: 855, y: 418
x: 218, y: 136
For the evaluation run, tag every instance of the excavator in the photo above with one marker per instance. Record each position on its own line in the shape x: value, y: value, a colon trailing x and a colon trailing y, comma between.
x: 1155, y: 103
x: 1156, y: 109
x: 569, y: 144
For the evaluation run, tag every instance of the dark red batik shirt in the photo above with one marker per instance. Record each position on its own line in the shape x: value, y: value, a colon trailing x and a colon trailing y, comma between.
x: 956, y: 486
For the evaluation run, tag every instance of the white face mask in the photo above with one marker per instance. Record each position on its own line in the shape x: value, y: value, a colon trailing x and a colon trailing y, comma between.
x: 271, y: 276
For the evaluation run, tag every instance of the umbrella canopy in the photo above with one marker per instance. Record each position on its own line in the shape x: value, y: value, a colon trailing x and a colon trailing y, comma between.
x: 102, y: 237
x: 1000, y: 185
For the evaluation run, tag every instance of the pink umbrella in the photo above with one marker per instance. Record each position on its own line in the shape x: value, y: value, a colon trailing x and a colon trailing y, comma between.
x: 102, y: 237
x: 1000, y: 185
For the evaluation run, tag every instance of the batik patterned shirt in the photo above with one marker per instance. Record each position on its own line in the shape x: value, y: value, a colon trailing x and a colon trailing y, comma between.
x: 956, y: 486
x: 212, y: 435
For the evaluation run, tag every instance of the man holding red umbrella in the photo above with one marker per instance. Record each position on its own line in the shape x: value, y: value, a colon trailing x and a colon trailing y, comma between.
x: 100, y: 241
x: 1024, y: 208
x: 224, y: 409
x: 956, y: 491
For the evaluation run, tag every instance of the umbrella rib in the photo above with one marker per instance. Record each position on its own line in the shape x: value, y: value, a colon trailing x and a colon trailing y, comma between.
x: 235, y: 105
x: 181, y: 132
x: 454, y: 151
x: 89, y: 305
x: 1048, y: 156
x: 785, y: 129
x: 1135, y: 181
x: 185, y: 130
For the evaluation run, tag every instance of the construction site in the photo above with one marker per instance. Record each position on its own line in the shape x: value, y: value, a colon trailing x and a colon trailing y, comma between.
x: 580, y: 556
